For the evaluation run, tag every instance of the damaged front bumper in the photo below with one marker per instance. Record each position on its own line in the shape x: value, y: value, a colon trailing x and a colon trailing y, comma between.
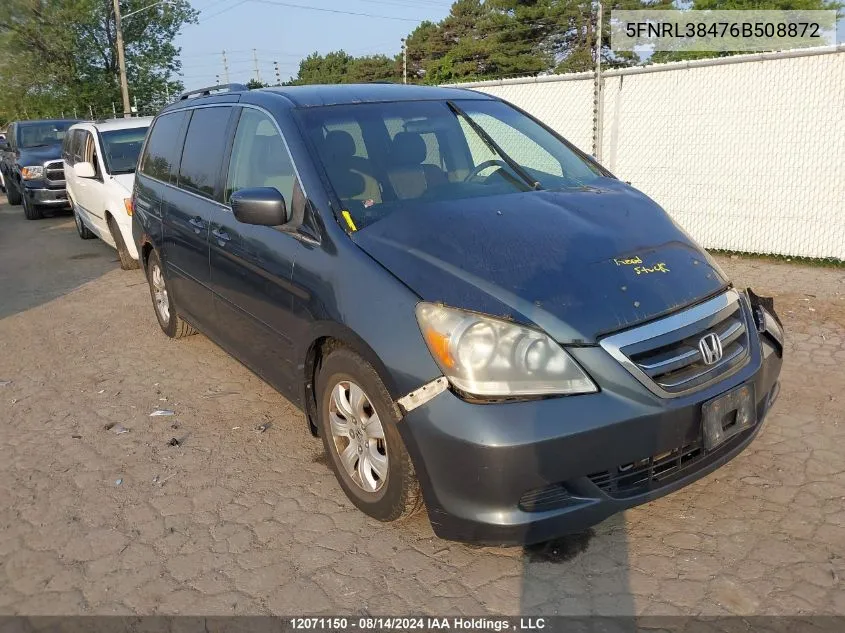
x: 524, y: 472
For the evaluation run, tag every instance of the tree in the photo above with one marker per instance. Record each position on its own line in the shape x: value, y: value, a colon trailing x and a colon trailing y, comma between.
x: 57, y: 55
x: 338, y: 67
x: 254, y: 84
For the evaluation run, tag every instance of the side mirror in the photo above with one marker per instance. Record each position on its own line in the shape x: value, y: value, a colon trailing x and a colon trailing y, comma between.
x: 263, y: 206
x: 84, y: 170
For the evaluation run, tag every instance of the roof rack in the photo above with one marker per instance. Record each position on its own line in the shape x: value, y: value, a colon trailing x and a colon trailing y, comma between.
x: 204, y: 92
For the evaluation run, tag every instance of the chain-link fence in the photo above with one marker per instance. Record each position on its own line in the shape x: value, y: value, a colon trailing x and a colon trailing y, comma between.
x: 747, y: 153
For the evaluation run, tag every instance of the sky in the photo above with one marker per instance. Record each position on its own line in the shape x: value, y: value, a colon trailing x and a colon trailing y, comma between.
x: 285, y: 34
x: 285, y: 31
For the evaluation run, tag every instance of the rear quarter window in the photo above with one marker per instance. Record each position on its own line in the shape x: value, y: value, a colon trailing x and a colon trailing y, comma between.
x: 164, y: 147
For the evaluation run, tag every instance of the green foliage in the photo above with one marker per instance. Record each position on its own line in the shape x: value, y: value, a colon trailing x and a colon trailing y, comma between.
x: 339, y: 67
x: 485, y: 39
x: 254, y: 84
x: 61, y: 55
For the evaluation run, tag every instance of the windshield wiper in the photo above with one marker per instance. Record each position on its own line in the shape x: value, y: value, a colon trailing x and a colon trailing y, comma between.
x: 494, y: 147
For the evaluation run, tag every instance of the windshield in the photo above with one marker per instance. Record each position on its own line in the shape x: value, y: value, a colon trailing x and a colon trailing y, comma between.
x: 46, y: 133
x: 121, y: 149
x: 382, y: 156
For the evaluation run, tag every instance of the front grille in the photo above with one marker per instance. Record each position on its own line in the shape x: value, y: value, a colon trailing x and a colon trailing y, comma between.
x: 549, y: 497
x: 659, y: 470
x: 665, y: 355
x: 54, y: 172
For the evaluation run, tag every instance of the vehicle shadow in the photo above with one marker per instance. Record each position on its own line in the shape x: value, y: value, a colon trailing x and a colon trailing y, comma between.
x: 45, y: 259
x: 581, y: 574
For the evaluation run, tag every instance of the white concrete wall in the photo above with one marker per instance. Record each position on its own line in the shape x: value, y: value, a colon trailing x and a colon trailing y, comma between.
x: 747, y: 155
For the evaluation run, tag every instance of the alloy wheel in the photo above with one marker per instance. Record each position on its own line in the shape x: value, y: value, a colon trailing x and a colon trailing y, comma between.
x: 358, y: 436
x: 160, y: 293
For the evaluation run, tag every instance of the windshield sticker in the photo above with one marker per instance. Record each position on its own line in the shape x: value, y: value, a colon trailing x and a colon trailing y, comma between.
x: 659, y: 267
x: 348, y: 217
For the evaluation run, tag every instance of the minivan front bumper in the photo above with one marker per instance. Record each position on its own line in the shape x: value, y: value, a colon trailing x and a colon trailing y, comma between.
x: 525, y: 472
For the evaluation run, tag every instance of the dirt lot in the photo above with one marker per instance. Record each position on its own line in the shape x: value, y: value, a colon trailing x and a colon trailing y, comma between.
x: 237, y: 521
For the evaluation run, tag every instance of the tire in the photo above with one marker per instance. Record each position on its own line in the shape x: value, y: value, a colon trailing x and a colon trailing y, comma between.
x: 12, y: 194
x: 397, y: 494
x: 30, y: 211
x: 84, y: 232
x: 171, y: 323
x: 126, y: 261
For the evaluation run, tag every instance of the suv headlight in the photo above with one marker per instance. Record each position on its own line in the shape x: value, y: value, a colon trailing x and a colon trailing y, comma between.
x: 485, y: 356
x: 32, y: 173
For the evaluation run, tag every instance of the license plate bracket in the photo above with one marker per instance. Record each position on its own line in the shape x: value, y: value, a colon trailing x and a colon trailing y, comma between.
x: 724, y: 417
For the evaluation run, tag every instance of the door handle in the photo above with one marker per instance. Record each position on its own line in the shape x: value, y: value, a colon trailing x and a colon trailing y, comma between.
x: 221, y: 235
x: 197, y: 223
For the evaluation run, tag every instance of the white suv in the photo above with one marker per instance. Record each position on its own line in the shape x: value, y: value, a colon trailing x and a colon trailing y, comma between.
x: 100, y: 159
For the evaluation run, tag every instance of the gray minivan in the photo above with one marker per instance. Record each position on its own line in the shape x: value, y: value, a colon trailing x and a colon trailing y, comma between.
x: 472, y: 313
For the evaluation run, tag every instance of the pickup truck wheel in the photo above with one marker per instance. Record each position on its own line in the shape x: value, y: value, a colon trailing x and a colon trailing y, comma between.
x: 357, y: 421
x: 84, y: 232
x: 30, y: 211
x: 12, y: 194
x: 171, y: 323
x: 126, y: 261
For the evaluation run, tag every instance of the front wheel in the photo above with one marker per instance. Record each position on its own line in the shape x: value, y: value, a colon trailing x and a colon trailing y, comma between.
x: 357, y: 421
x: 30, y: 211
x: 171, y: 323
x: 84, y: 232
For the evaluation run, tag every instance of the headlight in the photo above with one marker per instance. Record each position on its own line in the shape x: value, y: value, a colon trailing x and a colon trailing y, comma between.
x: 32, y: 173
x: 484, y: 356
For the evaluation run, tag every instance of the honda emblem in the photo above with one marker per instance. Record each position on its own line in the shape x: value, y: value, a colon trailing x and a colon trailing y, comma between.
x: 710, y: 347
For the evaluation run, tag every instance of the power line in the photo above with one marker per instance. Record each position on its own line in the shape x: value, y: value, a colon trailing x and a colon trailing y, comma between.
x: 214, y: 15
x: 339, y: 11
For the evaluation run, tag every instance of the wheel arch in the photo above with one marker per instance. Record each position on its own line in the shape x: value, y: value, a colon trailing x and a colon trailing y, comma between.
x: 326, y: 337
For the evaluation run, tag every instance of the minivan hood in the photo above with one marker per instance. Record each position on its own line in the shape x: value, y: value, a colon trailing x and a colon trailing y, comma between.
x: 579, y: 264
x: 40, y: 155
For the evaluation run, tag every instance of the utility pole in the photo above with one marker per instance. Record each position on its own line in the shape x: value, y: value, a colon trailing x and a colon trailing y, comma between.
x: 90, y: 112
x: 225, y: 68
x: 121, y: 61
x: 278, y: 75
x: 135, y: 102
x: 598, y: 103
x: 404, y: 61
x: 217, y: 78
x: 255, y: 60
x: 113, y: 109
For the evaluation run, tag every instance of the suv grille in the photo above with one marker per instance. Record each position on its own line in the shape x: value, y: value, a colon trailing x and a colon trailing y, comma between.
x: 665, y: 355
x: 54, y: 172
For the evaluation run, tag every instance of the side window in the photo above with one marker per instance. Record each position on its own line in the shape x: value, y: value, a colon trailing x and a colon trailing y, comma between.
x: 205, y: 144
x: 259, y: 157
x: 67, y: 154
x: 78, y: 145
x: 90, y: 153
x: 161, y: 154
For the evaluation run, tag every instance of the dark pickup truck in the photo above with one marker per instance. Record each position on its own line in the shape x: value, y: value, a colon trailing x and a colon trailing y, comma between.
x: 31, y: 164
